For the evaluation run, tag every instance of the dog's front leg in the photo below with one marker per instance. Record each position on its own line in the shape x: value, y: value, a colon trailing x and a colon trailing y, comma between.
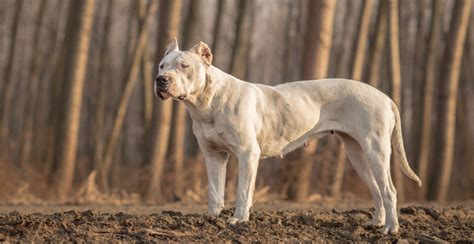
x: 216, y: 163
x: 248, y: 164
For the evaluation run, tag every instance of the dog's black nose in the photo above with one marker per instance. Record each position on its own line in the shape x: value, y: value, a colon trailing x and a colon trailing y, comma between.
x: 162, y: 80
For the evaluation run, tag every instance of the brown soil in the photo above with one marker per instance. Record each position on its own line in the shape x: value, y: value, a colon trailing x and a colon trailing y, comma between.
x: 420, y: 223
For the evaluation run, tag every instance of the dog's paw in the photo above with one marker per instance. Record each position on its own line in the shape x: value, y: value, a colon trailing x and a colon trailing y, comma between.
x: 233, y: 220
x: 389, y: 229
x: 215, y: 212
x: 374, y: 222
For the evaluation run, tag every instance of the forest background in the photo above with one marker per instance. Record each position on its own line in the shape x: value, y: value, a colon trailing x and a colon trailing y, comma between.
x: 78, y: 119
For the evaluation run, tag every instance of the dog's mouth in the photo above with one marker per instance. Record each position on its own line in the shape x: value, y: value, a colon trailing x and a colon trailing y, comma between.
x: 161, y: 92
x: 165, y: 94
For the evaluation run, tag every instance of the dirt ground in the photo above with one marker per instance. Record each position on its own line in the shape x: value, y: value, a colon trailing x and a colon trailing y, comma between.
x: 271, y: 221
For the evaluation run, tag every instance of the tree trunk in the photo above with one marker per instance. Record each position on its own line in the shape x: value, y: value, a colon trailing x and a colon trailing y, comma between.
x: 102, y: 92
x: 317, y: 46
x: 243, y: 32
x: 379, y: 44
x: 430, y: 74
x: 191, y: 31
x: 364, y: 24
x: 7, y: 88
x: 421, y: 33
x: 448, y: 89
x: 148, y: 86
x: 41, y: 137
x: 81, y: 19
x: 357, y: 70
x: 217, y: 25
x: 104, y: 170
x: 35, y: 72
x: 147, y: 75
x: 179, y: 132
x: 54, y: 100
x: 170, y: 14
x: 395, y: 72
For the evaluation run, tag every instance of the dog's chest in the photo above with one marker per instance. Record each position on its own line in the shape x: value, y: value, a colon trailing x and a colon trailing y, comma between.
x: 213, y: 134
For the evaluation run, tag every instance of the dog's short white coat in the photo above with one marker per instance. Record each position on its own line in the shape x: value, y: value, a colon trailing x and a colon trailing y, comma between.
x: 254, y: 121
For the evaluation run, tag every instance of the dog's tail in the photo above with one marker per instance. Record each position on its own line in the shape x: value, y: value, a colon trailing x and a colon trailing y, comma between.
x: 399, y: 150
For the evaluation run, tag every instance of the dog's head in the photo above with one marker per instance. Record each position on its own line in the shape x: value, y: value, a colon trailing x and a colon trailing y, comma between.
x: 181, y: 73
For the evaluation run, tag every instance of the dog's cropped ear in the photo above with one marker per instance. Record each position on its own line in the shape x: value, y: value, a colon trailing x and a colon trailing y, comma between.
x: 172, y: 47
x: 203, y: 51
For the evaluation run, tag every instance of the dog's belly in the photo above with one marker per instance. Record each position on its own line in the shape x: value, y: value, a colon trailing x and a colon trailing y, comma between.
x: 279, y: 147
x: 288, y: 119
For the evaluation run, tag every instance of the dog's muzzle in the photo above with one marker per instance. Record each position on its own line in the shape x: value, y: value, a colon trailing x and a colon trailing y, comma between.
x: 162, y: 84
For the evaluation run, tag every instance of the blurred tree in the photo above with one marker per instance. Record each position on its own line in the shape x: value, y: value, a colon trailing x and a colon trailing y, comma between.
x: 36, y: 66
x: 317, y: 46
x: 78, y: 39
x: 100, y: 111
x: 7, y: 88
x: 57, y: 86
x: 448, y: 90
x: 430, y: 75
x: 238, y: 66
x: 169, y: 17
x: 38, y: 43
x: 379, y: 44
x: 422, y: 38
x: 395, y: 72
x: 104, y: 169
x: 217, y: 24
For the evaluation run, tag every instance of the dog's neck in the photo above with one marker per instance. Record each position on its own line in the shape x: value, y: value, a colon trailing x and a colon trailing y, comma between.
x: 199, y: 103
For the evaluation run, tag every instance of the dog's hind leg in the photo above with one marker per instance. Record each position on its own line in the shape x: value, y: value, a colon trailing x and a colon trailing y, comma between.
x: 359, y: 162
x: 379, y: 159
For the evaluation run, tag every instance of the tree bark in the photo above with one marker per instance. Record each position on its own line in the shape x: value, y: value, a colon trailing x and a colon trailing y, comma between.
x: 7, y: 88
x: 448, y: 90
x: 364, y: 24
x: 148, y: 86
x: 147, y: 75
x: 217, y: 25
x: 58, y: 78
x: 170, y: 15
x: 421, y: 33
x: 317, y: 46
x: 102, y: 93
x: 430, y: 75
x: 179, y: 133
x: 379, y: 44
x: 238, y: 66
x: 36, y: 67
x: 104, y: 170
x: 395, y: 72
x: 81, y: 17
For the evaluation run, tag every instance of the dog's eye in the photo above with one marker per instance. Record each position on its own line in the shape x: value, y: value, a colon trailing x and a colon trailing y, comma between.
x: 162, y: 66
x: 184, y: 66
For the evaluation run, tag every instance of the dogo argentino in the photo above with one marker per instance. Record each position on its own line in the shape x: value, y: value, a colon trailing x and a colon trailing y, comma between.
x: 255, y: 121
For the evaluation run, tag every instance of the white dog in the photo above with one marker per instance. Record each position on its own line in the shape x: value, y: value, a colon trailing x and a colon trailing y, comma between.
x: 255, y: 121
